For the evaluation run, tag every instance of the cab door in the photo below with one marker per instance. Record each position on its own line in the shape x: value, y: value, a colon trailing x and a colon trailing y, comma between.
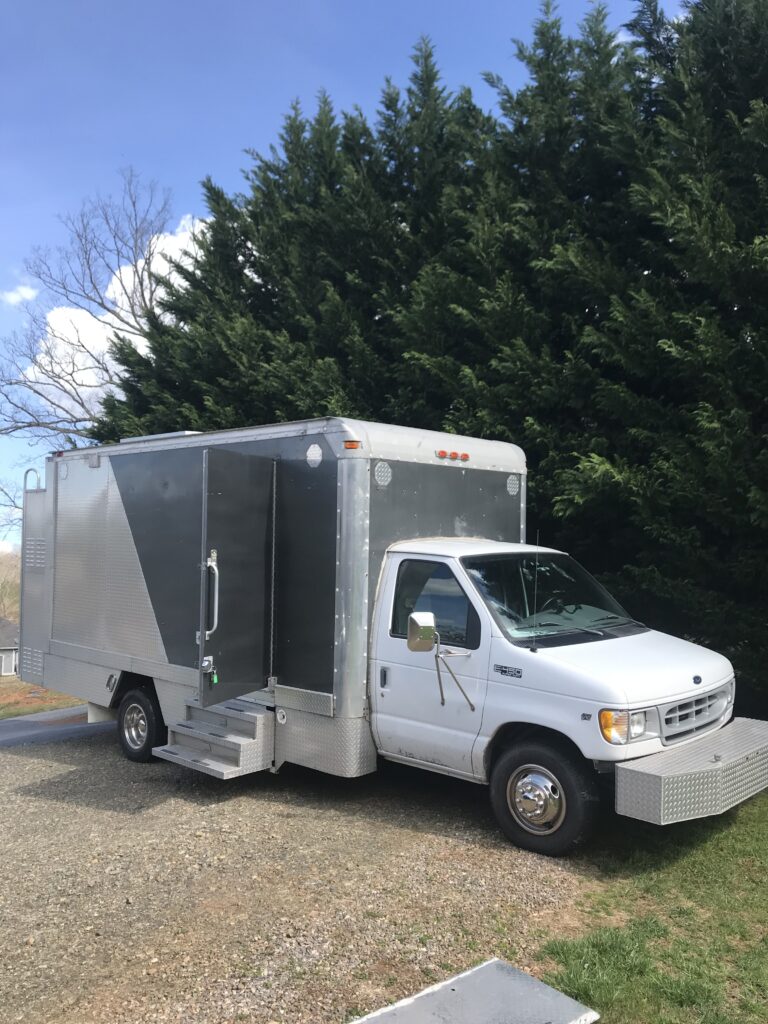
x: 411, y: 722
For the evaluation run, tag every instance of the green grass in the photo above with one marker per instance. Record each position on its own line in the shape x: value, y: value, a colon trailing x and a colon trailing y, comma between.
x: 694, y: 948
x: 17, y: 698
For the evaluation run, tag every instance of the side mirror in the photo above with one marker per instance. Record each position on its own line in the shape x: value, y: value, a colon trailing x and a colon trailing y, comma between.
x: 421, y: 631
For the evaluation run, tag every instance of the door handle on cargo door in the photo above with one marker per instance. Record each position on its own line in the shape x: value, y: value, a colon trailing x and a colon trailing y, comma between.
x: 213, y: 565
x: 383, y: 677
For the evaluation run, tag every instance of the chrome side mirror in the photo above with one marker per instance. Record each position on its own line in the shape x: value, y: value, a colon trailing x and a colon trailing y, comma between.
x: 421, y: 631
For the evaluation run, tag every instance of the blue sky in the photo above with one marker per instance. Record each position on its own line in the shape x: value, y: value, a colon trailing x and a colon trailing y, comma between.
x: 180, y: 90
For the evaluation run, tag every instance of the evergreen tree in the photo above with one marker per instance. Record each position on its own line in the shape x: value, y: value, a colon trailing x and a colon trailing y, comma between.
x: 583, y: 273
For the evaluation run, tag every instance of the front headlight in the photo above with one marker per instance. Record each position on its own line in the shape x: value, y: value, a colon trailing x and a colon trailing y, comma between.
x: 622, y: 726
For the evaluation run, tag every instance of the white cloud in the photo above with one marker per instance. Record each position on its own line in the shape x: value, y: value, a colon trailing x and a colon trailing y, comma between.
x: 61, y: 364
x: 22, y: 293
x: 73, y: 368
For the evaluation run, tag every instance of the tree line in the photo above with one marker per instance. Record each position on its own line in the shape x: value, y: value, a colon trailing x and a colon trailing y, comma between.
x: 581, y: 271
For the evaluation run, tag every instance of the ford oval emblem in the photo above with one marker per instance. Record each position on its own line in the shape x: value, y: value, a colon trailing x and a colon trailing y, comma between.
x: 696, y: 680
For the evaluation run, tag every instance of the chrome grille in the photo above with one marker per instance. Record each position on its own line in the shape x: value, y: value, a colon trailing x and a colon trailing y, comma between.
x: 683, y: 720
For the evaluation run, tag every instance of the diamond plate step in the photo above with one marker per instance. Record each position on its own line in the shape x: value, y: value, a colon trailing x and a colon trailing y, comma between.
x: 198, y: 761
x: 494, y: 992
x: 213, y: 740
x: 217, y: 735
x: 235, y: 716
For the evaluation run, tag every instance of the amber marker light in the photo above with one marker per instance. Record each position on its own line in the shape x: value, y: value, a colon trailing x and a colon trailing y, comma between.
x: 353, y: 444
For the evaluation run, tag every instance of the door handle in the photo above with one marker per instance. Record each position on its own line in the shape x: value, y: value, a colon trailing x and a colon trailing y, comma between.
x: 213, y: 565
x: 383, y: 677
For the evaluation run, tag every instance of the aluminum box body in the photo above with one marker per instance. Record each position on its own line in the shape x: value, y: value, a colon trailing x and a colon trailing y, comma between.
x: 113, y: 557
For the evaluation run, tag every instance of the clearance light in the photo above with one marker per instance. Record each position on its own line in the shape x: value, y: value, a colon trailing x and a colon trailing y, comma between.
x: 353, y: 444
x: 442, y: 454
x: 464, y: 457
x: 454, y: 456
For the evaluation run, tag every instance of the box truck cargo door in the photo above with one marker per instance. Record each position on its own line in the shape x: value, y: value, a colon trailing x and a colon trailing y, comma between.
x: 235, y: 564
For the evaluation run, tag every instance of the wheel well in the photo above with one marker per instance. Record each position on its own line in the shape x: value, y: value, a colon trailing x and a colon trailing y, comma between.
x: 517, y: 732
x: 132, y: 681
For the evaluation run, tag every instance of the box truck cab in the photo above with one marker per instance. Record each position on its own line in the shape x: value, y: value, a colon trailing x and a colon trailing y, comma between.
x: 331, y: 593
x: 510, y: 664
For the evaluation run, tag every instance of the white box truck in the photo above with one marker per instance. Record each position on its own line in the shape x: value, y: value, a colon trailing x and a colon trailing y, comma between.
x: 329, y: 592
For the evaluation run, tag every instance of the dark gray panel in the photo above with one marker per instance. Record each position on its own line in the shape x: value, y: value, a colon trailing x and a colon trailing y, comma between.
x: 161, y: 492
x: 439, y: 501
x: 305, y: 597
x: 236, y: 516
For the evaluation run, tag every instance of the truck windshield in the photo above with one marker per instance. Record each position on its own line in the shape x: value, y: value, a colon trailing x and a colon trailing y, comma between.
x: 570, y: 604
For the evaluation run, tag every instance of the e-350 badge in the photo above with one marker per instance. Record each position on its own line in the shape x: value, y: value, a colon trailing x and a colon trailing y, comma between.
x: 508, y: 670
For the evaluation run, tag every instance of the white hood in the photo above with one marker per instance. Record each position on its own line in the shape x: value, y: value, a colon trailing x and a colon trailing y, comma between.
x: 652, y: 668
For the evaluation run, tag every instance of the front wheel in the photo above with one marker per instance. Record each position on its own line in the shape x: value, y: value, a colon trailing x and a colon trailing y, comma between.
x: 545, y: 798
x: 140, y: 725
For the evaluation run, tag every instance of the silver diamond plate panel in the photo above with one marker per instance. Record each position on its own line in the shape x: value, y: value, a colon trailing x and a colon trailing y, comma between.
x: 248, y: 754
x: 491, y: 993
x: 338, y: 746
x: 100, y: 598
x: 744, y: 778
x: 259, y: 753
x: 304, y: 700
x: 705, y: 777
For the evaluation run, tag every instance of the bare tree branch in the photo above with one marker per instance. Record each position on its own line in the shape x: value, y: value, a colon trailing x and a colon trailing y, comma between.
x: 55, y: 373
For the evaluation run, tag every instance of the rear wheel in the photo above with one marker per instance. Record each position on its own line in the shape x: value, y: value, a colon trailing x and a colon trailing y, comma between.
x: 545, y: 798
x: 140, y: 725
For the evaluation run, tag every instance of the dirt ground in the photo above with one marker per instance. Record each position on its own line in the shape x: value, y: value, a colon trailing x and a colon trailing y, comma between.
x: 17, y: 698
x: 147, y: 893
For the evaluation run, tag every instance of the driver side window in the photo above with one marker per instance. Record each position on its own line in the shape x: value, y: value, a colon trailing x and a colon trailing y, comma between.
x: 431, y: 587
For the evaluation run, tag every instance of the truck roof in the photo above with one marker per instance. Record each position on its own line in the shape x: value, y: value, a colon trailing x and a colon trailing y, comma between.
x: 461, y: 547
x: 378, y: 441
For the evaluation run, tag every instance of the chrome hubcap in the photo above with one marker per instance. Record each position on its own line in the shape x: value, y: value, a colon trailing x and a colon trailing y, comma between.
x: 135, y: 726
x: 536, y: 800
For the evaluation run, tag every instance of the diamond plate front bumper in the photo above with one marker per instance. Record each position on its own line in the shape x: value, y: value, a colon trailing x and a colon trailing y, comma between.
x: 707, y: 776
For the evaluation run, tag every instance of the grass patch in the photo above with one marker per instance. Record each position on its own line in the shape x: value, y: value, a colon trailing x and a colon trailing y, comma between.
x: 695, y: 948
x: 17, y: 698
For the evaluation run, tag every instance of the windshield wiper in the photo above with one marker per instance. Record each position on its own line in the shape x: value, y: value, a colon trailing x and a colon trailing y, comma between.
x: 618, y: 620
x: 566, y: 629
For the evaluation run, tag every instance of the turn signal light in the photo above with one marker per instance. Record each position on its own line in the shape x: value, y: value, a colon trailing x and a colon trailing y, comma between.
x: 353, y: 444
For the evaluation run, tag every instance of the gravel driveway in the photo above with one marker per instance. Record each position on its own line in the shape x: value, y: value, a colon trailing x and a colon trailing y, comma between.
x: 138, y: 893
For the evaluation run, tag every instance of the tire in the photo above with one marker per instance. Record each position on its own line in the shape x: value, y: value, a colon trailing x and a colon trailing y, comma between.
x: 558, y: 798
x: 140, y: 725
